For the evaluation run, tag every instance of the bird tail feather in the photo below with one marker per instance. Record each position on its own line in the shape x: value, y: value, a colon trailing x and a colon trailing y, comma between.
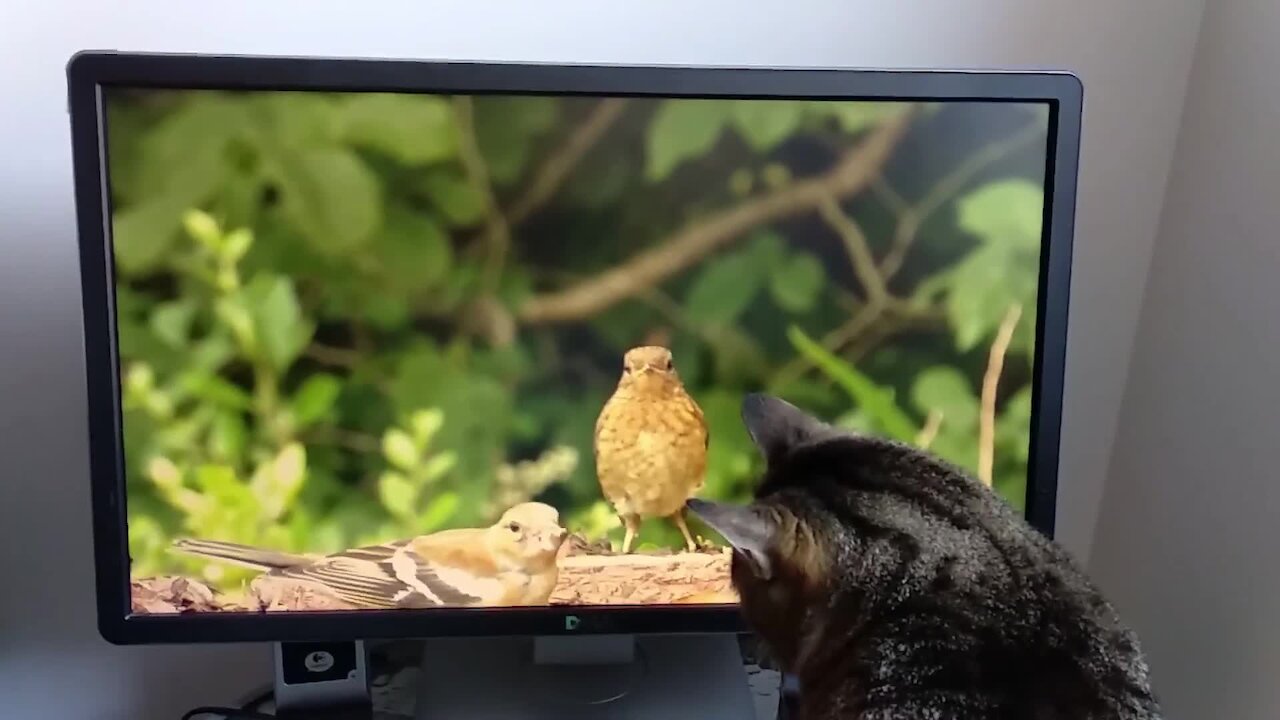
x: 256, y: 558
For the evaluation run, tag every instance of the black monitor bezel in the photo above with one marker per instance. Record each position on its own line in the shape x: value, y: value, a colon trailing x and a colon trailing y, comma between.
x: 90, y: 72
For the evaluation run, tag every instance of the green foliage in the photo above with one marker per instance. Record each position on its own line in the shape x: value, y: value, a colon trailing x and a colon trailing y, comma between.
x: 321, y: 335
x: 874, y: 401
x: 683, y: 129
x: 1003, y: 270
x: 409, y: 489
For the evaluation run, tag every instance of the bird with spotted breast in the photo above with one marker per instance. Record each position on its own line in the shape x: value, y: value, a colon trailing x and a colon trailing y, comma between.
x: 511, y: 563
x: 650, y: 444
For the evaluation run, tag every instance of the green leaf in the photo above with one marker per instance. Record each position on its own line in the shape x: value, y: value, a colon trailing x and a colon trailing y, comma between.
x: 399, y: 449
x: 477, y: 410
x: 397, y: 494
x: 766, y: 123
x: 202, y: 228
x: 455, y: 197
x: 439, y: 466
x: 414, y: 129
x: 295, y: 119
x: 872, y: 399
x: 281, y: 329
x: 767, y: 249
x: 1002, y: 270
x: 228, y: 437
x: 439, y: 511
x: 171, y: 322
x: 314, y: 399
x: 979, y: 295
x: 414, y: 250
x: 1013, y: 426
x: 425, y: 425
x: 723, y: 290
x: 385, y: 311
x: 184, y: 156
x: 212, y: 352
x: 1006, y: 213
x: 219, y: 484
x: 506, y: 129
x: 276, y: 483
x: 331, y: 197
x: 680, y: 130
x: 214, y: 389
x: 143, y: 233
x: 946, y: 390
x: 796, y: 283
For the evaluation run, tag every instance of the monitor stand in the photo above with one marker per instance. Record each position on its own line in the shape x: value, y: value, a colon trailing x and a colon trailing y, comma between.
x: 603, y: 677
x: 322, y: 681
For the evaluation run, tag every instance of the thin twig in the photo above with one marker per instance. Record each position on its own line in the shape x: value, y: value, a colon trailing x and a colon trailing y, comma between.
x: 851, y: 174
x: 912, y: 217
x: 560, y: 163
x: 855, y: 243
x: 873, y: 321
x: 852, y: 329
x: 885, y: 193
x: 929, y: 432
x: 990, y: 381
x: 497, y: 231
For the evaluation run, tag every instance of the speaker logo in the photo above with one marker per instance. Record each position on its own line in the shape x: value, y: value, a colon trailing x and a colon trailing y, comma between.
x: 318, y: 661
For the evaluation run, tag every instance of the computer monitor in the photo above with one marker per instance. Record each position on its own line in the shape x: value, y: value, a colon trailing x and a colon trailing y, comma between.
x: 512, y: 310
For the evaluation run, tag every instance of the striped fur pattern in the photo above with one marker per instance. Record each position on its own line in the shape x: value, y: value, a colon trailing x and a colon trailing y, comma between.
x: 895, y: 587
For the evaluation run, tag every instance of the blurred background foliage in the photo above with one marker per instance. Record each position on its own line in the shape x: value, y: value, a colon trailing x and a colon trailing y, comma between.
x: 345, y: 318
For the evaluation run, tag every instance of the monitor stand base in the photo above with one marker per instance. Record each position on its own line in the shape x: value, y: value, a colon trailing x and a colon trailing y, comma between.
x: 322, y: 681
x: 603, y: 677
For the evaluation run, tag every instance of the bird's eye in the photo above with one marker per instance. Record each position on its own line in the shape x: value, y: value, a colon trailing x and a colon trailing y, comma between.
x: 670, y: 365
x: 513, y: 527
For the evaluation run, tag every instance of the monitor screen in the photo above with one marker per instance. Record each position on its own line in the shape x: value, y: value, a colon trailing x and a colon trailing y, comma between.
x: 404, y: 352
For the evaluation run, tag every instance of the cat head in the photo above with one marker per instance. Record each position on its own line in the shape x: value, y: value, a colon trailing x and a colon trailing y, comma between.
x: 782, y: 556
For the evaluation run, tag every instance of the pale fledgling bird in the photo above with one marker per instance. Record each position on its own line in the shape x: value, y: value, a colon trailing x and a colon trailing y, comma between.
x: 511, y: 563
x: 650, y: 444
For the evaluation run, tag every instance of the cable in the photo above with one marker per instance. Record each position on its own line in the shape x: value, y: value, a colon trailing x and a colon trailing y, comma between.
x: 259, y: 699
x: 227, y: 713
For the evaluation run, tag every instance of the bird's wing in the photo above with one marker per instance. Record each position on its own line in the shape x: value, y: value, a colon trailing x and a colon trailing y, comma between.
x: 461, y: 549
x: 382, y: 576
x: 248, y: 556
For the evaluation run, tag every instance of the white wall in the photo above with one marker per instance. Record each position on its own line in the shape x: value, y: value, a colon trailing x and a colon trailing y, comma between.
x: 1133, y: 57
x: 1187, y: 540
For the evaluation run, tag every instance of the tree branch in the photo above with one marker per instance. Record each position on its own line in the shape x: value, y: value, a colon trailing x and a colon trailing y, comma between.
x: 855, y: 243
x: 854, y: 171
x: 497, y: 231
x: 929, y: 432
x: 990, y: 381
x: 912, y: 216
x: 560, y: 164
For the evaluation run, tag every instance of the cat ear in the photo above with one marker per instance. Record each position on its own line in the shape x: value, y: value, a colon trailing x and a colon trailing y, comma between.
x: 746, y: 530
x: 776, y: 425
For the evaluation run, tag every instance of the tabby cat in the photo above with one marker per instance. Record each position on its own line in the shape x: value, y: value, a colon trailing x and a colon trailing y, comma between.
x: 895, y: 587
